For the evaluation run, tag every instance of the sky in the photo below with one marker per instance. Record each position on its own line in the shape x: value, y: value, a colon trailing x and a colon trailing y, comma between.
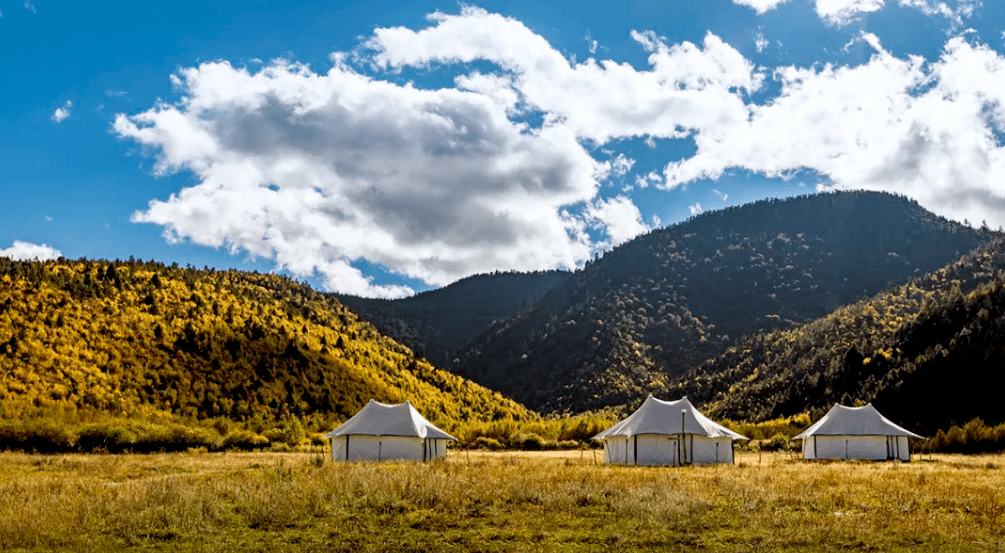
x: 387, y: 148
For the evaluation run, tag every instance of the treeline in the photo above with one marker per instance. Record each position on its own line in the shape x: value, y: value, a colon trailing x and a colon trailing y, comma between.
x: 923, y: 353
x: 632, y: 321
x: 972, y: 437
x: 140, y: 339
x: 105, y: 434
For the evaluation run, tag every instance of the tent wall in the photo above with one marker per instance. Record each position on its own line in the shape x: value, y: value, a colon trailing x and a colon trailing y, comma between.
x: 878, y: 448
x: 381, y: 448
x: 436, y: 449
x: 704, y: 451
x: 664, y: 450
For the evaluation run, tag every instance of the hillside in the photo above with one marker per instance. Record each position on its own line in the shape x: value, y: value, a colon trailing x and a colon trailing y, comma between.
x: 438, y: 323
x: 662, y: 304
x: 140, y: 339
x: 927, y: 354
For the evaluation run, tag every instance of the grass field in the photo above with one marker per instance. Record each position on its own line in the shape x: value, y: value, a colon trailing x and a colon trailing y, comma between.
x: 553, y: 501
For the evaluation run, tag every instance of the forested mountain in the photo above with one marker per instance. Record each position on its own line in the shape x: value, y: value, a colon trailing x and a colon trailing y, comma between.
x: 927, y: 354
x: 134, y: 338
x: 664, y: 303
x: 438, y: 323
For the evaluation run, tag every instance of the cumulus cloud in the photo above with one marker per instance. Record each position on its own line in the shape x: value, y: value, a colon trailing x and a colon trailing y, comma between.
x: 317, y: 171
x: 619, y: 217
x: 62, y: 113
x: 761, y: 6
x: 901, y: 125
x: 695, y: 209
x: 687, y: 87
x: 26, y: 251
x: 29, y: 6
x: 843, y: 12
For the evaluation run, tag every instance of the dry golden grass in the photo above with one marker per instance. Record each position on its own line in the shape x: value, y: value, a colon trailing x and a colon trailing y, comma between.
x: 548, y: 501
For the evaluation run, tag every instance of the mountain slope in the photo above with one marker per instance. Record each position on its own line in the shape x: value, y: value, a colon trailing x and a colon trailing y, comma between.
x: 142, y: 338
x: 927, y: 354
x: 438, y: 323
x: 653, y: 308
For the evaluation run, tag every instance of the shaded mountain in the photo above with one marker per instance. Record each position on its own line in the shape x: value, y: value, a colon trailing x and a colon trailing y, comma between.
x: 134, y: 338
x: 438, y: 323
x: 627, y: 324
x: 925, y: 353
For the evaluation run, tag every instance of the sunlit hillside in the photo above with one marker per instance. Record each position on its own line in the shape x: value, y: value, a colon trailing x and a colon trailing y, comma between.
x: 136, y: 339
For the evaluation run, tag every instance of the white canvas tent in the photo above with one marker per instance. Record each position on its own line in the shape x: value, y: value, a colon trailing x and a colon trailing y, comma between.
x: 381, y: 432
x: 667, y: 433
x: 855, y: 433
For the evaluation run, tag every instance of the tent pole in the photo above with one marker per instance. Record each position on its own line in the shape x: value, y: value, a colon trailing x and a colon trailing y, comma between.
x: 636, y: 452
x: 347, y: 448
x: 683, y: 451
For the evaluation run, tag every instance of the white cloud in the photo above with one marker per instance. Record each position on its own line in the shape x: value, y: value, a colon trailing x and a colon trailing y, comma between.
x: 842, y: 12
x: 687, y: 86
x: 113, y: 93
x: 761, y: 6
x: 62, y: 113
x: 900, y: 125
x: 318, y: 170
x: 621, y: 165
x: 26, y: 251
x: 760, y: 42
x: 29, y: 6
x: 619, y: 217
x: 695, y: 209
x: 964, y: 9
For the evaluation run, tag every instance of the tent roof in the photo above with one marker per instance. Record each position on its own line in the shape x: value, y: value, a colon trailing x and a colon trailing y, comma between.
x: 381, y: 419
x: 663, y: 417
x: 854, y: 421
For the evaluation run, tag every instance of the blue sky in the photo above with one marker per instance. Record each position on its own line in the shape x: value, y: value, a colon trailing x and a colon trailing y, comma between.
x: 384, y: 149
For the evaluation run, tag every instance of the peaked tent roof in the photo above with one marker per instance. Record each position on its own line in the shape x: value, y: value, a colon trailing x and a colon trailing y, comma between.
x: 663, y: 417
x: 854, y: 421
x: 381, y: 419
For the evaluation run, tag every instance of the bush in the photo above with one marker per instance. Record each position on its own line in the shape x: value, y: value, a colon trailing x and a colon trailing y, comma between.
x: 528, y: 441
x: 40, y: 435
x: 778, y: 442
x: 488, y: 443
x: 244, y: 439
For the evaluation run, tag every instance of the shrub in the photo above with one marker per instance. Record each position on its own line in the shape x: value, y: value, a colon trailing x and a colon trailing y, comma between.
x: 528, y: 441
x: 488, y: 443
x: 244, y: 439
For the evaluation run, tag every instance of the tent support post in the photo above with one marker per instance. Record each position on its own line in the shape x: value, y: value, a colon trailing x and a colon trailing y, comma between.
x: 635, y: 453
x: 347, y: 448
x: 681, y: 451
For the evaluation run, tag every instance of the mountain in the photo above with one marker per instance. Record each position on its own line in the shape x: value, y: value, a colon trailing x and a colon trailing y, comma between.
x: 438, y: 323
x: 135, y: 338
x: 627, y: 324
x: 927, y: 354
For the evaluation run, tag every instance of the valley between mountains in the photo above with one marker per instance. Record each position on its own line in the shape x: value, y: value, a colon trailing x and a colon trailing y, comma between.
x: 773, y: 309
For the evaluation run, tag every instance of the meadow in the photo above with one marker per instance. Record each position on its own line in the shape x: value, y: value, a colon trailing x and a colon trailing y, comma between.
x: 496, y: 501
